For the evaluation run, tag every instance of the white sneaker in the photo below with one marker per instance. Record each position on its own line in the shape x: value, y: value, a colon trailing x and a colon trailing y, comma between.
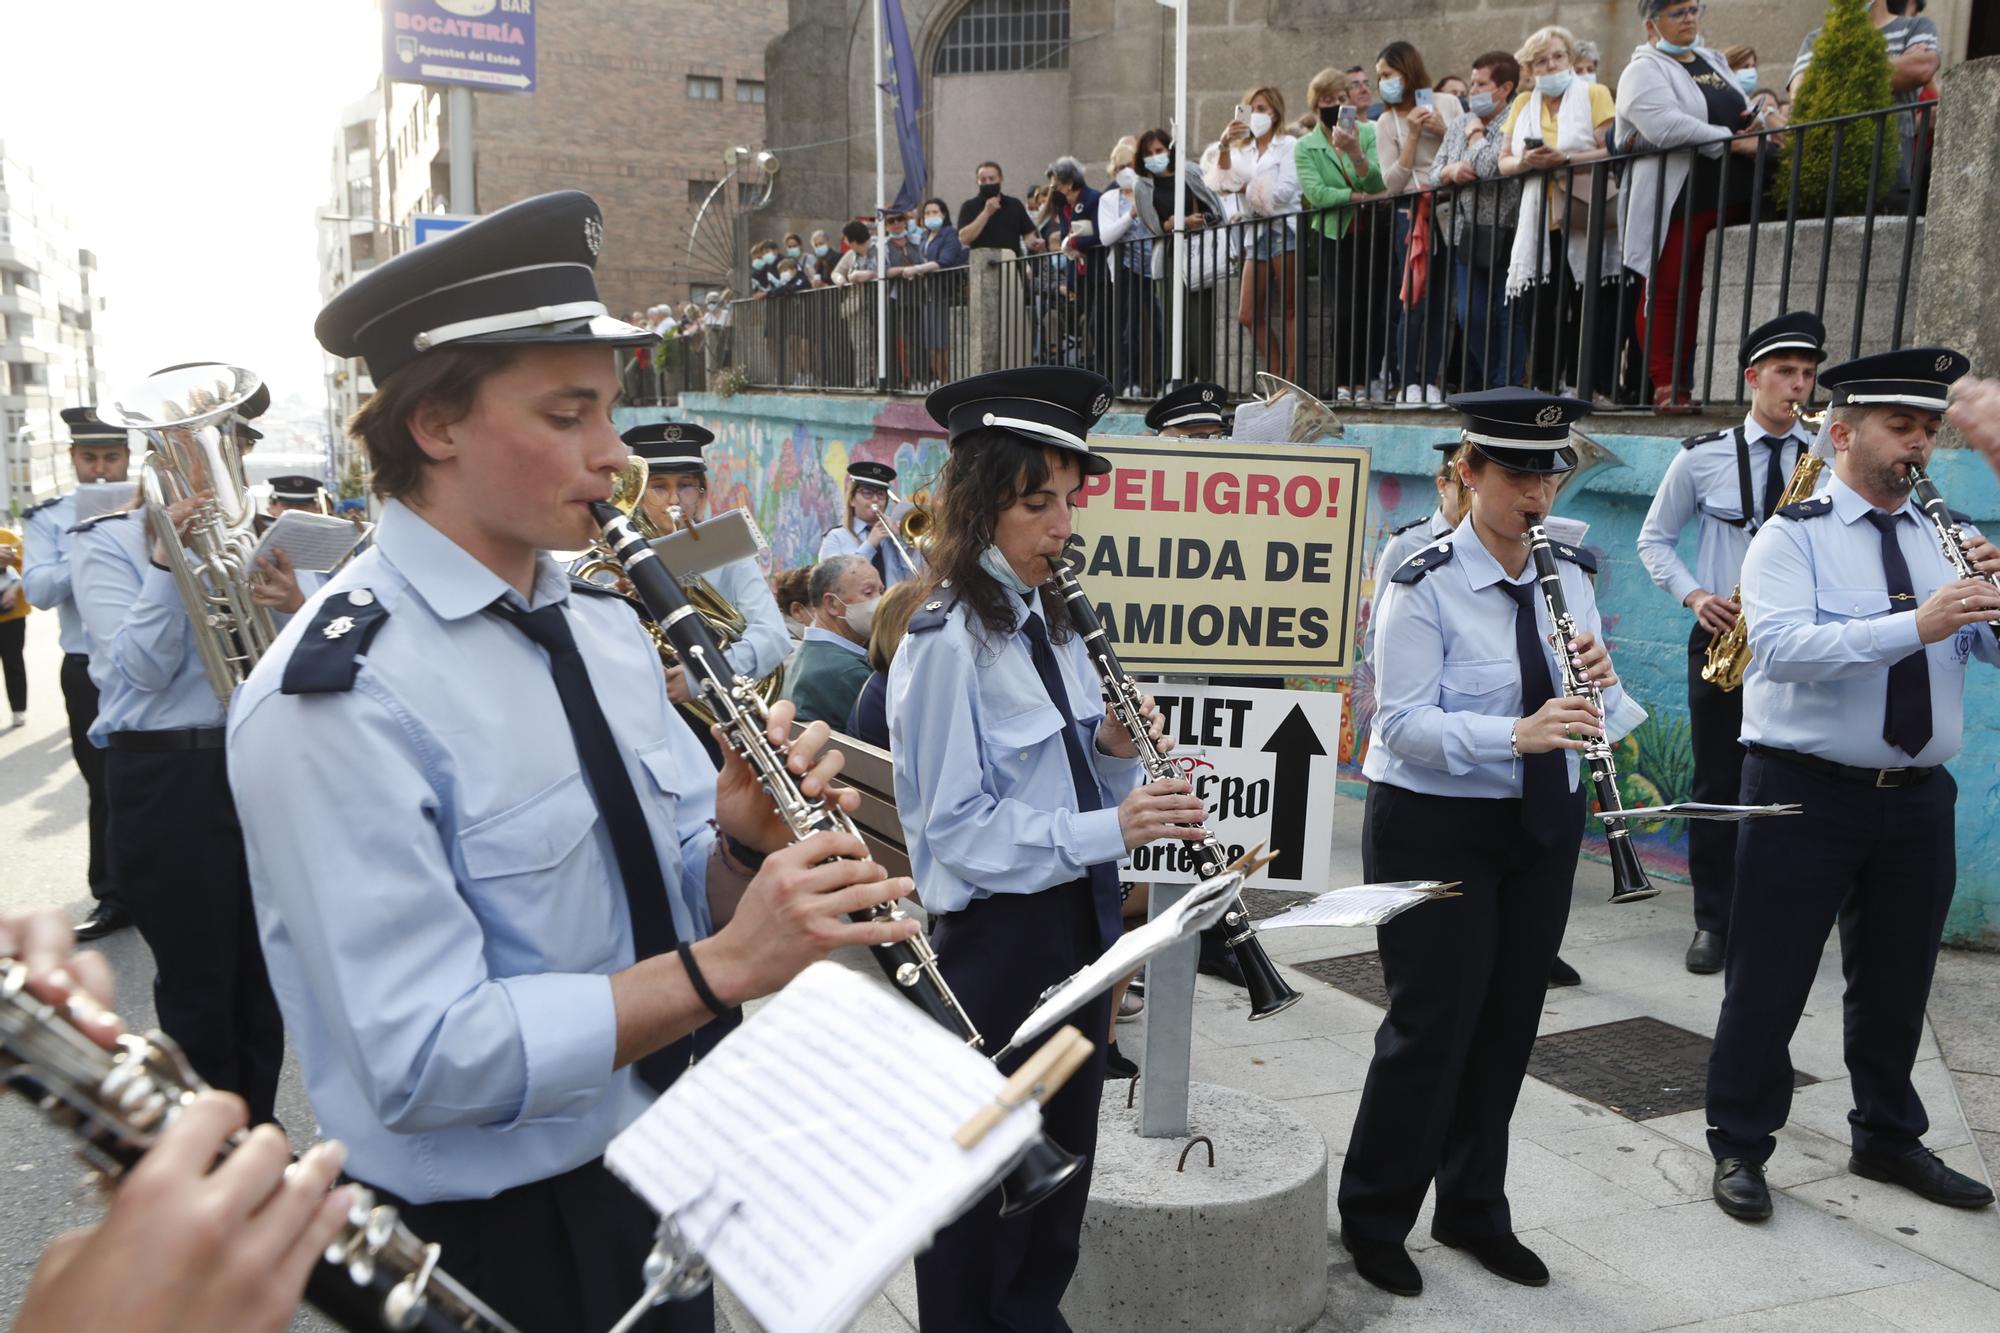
x: 20, y: 719
x: 1433, y: 394
x: 1343, y: 394
x: 1412, y: 394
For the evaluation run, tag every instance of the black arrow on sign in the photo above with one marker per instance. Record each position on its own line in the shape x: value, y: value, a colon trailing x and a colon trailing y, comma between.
x: 1295, y: 744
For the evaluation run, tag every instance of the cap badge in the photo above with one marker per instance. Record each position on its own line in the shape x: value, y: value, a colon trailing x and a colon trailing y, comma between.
x: 338, y: 626
x: 1944, y: 363
x: 1549, y: 415
x: 1097, y: 408
x: 593, y: 233
x: 1208, y: 395
x: 673, y: 432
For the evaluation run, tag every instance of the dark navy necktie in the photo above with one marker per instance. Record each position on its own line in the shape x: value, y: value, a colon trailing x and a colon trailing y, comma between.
x: 1906, y: 711
x: 1103, y: 875
x: 1545, y: 776
x: 1773, y: 471
x: 880, y: 558
x: 611, y: 787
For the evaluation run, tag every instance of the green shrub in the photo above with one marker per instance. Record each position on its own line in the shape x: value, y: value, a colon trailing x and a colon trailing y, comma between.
x: 1849, y: 74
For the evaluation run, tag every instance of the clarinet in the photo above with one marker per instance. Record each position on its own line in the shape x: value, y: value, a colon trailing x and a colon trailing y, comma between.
x: 1269, y: 993
x: 376, y: 1275
x: 911, y: 965
x: 1949, y: 537
x: 1629, y: 882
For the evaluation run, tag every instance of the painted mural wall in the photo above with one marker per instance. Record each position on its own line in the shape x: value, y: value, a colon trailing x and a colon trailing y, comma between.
x: 782, y: 457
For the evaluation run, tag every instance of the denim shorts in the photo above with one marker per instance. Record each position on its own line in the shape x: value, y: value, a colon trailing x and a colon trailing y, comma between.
x: 1274, y: 239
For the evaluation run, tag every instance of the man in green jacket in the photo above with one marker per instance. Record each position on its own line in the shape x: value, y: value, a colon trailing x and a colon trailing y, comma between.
x: 826, y: 676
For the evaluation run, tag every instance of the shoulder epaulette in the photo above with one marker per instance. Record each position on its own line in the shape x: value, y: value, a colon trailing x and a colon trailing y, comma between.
x: 95, y: 519
x: 1576, y: 555
x: 1397, y: 532
x: 327, y: 656
x: 33, y: 510
x: 1813, y: 508
x: 935, y: 610
x: 599, y: 590
x: 1423, y: 562
x: 1710, y: 438
x: 1963, y: 520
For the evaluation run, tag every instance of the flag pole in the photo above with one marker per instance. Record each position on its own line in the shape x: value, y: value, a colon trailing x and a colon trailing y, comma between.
x: 881, y: 228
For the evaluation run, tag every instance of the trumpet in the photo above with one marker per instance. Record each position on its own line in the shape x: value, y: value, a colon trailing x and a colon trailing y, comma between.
x: 376, y: 1275
x: 1269, y: 993
x: 1729, y: 652
x: 1629, y: 882
x: 915, y: 526
x: 188, y: 415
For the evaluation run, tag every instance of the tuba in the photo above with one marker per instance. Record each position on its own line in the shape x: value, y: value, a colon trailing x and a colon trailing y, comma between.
x: 188, y: 416
x: 1729, y: 652
x: 600, y: 566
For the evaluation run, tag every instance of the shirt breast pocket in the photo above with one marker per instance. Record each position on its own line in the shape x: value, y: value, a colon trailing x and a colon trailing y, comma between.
x: 1725, y: 505
x: 1011, y: 744
x: 1837, y: 604
x: 522, y: 862
x: 1478, y: 686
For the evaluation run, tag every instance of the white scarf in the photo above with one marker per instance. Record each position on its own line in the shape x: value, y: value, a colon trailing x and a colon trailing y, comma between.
x: 1576, y: 132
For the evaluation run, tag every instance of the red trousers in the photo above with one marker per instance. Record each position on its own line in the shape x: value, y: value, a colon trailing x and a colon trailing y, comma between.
x: 1665, y: 293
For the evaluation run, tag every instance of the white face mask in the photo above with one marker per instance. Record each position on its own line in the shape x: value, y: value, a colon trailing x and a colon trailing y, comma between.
x: 1260, y: 124
x: 861, y: 615
x: 994, y: 563
x: 1127, y: 178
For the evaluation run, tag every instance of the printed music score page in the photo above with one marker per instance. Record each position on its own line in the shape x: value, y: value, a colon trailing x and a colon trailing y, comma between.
x: 1703, y: 810
x: 313, y: 541
x: 1360, y: 905
x: 103, y: 497
x: 810, y: 1155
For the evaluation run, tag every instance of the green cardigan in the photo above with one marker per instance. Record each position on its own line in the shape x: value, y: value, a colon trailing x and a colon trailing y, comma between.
x: 1326, y: 179
x: 824, y: 680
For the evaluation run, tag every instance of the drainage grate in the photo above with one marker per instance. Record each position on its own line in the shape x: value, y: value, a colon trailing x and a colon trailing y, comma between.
x: 1260, y: 903
x: 1639, y: 1067
x: 1359, y: 974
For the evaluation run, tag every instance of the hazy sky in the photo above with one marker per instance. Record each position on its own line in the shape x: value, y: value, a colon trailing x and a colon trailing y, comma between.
x: 189, y: 141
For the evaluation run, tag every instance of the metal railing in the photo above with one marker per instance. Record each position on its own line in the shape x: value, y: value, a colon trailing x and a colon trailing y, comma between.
x: 659, y: 374
x: 1406, y: 299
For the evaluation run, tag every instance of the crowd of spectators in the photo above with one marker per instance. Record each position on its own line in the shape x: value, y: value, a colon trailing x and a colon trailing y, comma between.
x: 1411, y: 231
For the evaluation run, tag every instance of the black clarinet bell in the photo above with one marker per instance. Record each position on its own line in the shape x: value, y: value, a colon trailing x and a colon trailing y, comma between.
x: 1269, y: 993
x: 1628, y: 878
x: 1043, y: 1169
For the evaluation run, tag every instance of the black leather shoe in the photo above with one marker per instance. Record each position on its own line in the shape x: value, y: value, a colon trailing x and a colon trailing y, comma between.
x: 1705, y: 953
x: 1116, y: 1065
x: 1503, y: 1255
x: 1740, y: 1190
x: 1562, y: 974
x: 104, y: 918
x: 1385, y: 1263
x: 1920, y: 1172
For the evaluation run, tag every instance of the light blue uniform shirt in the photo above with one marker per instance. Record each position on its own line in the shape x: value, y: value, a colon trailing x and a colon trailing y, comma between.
x: 1447, y: 680
x: 766, y: 643
x: 1703, y: 482
x: 1402, y: 545
x: 437, y: 895
x: 1823, y: 635
x: 983, y: 782
x: 143, y: 660
x: 45, y: 568
x: 853, y: 540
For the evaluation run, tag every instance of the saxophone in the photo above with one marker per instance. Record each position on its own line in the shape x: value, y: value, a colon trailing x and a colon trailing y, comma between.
x: 1729, y: 651
x: 376, y: 1275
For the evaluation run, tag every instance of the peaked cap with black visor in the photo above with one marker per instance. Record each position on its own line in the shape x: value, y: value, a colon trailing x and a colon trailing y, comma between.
x: 1055, y: 406
x: 1520, y: 428
x: 522, y: 276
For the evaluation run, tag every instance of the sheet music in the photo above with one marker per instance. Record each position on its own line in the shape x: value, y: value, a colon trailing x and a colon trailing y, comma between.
x: 1201, y: 907
x: 1568, y: 531
x: 1703, y: 810
x: 723, y: 540
x: 313, y: 541
x: 1360, y: 905
x: 810, y: 1155
x: 104, y: 497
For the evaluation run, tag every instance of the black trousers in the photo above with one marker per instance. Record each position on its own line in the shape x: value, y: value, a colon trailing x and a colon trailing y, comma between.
x: 1466, y: 978
x: 13, y: 637
x: 80, y: 699
x: 985, y: 1272
x: 556, y: 1255
x: 1882, y: 864
x: 1715, y: 721
x: 179, y: 866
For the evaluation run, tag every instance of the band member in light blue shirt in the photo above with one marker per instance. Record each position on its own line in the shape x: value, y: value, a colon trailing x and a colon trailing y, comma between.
x: 866, y: 531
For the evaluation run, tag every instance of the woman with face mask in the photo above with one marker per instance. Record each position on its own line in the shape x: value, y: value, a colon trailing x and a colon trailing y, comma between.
x: 1678, y: 93
x: 1157, y: 165
x: 1129, y: 237
x: 940, y: 274
x: 1407, y: 139
x: 1337, y: 166
x: 1254, y: 168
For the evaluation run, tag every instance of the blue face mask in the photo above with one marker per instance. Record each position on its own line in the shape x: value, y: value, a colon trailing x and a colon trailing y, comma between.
x: 1391, y: 91
x: 1746, y: 79
x: 821, y: 250
x: 933, y: 223
x: 1668, y: 48
x: 1003, y: 573
x: 913, y: 231
x: 1482, y: 104
x: 1556, y: 84
x: 759, y: 262
x: 792, y: 250
x: 1588, y: 76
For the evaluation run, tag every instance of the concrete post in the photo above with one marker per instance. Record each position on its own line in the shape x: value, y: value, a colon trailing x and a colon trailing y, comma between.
x: 982, y: 300
x: 1962, y: 234
x: 1169, y: 1052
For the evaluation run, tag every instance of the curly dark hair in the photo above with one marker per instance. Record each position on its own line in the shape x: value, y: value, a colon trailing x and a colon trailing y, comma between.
x: 988, y: 471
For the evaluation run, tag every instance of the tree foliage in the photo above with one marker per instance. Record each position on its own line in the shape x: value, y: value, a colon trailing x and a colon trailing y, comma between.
x: 1849, y: 75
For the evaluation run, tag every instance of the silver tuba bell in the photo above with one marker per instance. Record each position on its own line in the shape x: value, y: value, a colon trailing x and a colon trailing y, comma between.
x: 188, y: 416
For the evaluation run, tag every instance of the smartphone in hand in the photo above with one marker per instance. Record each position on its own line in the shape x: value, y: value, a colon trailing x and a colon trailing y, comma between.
x: 1243, y: 112
x: 1530, y: 143
x: 1349, y: 117
x: 1426, y: 98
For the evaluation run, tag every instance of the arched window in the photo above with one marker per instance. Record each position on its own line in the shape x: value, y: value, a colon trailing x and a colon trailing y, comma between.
x: 996, y: 36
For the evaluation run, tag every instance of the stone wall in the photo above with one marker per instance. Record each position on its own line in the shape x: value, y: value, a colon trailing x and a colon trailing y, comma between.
x: 781, y: 455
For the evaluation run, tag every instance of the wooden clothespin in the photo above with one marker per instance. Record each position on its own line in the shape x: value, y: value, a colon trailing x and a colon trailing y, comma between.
x: 1253, y: 860
x: 1040, y: 1077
